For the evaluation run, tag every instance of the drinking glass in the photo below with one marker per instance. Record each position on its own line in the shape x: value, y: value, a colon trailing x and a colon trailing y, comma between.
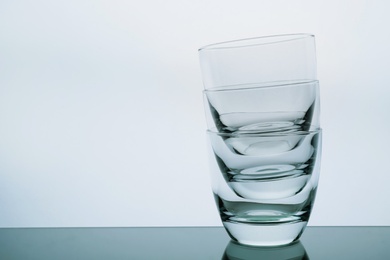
x: 262, y: 110
x: 264, y: 184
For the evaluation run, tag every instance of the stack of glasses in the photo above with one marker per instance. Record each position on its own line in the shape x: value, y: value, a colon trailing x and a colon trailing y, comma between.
x: 262, y: 109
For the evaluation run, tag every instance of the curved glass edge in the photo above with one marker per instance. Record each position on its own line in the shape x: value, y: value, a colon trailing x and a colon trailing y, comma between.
x: 272, y: 84
x: 256, y: 41
x: 314, y: 130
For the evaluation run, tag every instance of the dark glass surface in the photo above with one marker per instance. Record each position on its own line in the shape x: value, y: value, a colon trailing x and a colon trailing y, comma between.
x: 368, y: 243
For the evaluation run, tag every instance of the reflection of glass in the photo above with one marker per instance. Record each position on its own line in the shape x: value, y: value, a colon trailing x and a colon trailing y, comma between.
x: 262, y: 109
x: 294, y: 251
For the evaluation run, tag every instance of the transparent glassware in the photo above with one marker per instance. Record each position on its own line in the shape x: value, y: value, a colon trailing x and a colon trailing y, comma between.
x: 262, y: 107
x: 264, y: 184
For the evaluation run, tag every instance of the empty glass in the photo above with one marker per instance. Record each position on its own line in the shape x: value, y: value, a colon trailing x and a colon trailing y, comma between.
x: 265, y: 183
x: 262, y: 109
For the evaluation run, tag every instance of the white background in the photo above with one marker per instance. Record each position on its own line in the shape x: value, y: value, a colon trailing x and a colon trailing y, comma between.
x: 101, y: 115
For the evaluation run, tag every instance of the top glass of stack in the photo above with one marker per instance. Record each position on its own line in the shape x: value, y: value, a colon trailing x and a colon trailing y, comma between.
x: 261, y: 85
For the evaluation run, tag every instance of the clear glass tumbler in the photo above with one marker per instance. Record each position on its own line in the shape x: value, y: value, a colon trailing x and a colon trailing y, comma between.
x: 262, y: 109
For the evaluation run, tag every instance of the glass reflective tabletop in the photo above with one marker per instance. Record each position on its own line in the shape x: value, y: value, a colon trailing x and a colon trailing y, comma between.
x: 368, y: 243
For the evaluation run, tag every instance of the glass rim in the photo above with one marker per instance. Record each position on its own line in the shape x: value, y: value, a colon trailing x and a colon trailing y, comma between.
x: 263, y: 85
x: 265, y: 134
x: 256, y: 41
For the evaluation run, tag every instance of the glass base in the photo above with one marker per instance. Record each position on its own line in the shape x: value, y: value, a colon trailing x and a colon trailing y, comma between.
x: 265, y: 234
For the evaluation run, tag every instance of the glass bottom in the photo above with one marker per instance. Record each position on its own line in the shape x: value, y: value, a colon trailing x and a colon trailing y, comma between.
x: 255, y: 234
